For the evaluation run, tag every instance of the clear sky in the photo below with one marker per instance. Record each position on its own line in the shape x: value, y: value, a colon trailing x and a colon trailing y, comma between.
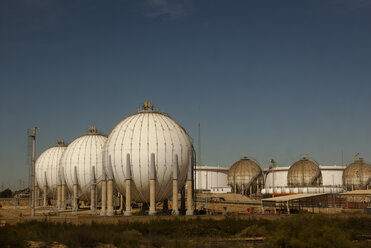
x: 273, y: 79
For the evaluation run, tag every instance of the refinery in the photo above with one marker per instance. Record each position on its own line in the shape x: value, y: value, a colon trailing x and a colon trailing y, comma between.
x: 148, y: 164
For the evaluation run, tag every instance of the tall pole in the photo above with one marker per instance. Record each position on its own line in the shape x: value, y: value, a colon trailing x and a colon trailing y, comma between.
x: 33, y: 135
x: 199, y: 145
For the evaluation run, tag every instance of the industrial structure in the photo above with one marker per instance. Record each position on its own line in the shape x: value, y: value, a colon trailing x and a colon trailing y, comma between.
x: 211, y: 178
x: 304, y: 173
x: 46, y: 171
x: 147, y: 158
x: 81, y: 167
x: 304, y: 176
x: 357, y: 175
x: 246, y: 177
x: 150, y: 157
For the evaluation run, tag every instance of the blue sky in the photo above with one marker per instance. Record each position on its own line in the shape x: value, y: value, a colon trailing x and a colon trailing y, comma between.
x: 273, y: 79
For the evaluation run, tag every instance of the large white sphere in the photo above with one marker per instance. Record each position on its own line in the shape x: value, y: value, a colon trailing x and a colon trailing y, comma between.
x: 47, y: 164
x: 140, y: 135
x: 84, y: 153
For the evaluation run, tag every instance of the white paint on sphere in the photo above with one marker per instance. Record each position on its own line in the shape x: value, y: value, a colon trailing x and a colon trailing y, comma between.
x: 140, y: 135
x: 48, y: 164
x: 84, y: 153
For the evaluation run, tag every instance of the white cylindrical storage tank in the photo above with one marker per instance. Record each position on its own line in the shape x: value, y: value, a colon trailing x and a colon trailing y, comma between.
x: 84, y: 153
x: 47, y: 164
x: 139, y: 135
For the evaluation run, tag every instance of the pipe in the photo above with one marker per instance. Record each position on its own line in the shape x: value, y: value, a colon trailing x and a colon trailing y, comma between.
x: 175, y: 186
x: 152, y: 186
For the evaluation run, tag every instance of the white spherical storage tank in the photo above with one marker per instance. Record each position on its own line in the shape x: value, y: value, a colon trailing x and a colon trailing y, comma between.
x: 84, y: 153
x: 140, y: 135
x: 47, y: 164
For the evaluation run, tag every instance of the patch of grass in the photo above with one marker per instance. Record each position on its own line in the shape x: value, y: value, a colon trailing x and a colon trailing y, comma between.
x: 295, y: 231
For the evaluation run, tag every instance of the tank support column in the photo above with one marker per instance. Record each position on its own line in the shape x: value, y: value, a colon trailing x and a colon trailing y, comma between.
x: 128, y: 187
x: 175, y: 186
x: 93, y: 192
x: 104, y: 197
x: 75, y: 206
x: 59, y: 191
x: 110, y: 211
x: 45, y: 196
x: 190, y: 190
x: 63, y: 190
x: 45, y: 191
x: 152, y: 186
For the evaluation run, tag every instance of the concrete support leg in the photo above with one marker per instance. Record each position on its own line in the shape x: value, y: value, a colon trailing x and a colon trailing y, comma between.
x: 110, y: 211
x: 128, y: 198
x: 152, y: 197
x: 63, y: 197
x: 175, y: 198
x: 189, y: 198
x: 45, y: 196
x: 103, y: 210
x: 59, y: 196
x: 75, y: 195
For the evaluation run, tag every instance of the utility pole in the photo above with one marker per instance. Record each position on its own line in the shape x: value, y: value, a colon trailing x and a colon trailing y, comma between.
x: 199, y: 145
x: 32, y: 135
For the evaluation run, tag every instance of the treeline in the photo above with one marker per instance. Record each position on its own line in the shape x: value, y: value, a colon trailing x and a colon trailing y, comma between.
x: 296, y: 231
x: 7, y: 193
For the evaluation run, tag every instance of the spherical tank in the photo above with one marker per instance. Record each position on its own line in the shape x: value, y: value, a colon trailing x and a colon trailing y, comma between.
x: 84, y: 153
x: 139, y: 135
x: 304, y: 173
x: 245, y: 174
x: 357, y: 175
x: 47, y: 164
